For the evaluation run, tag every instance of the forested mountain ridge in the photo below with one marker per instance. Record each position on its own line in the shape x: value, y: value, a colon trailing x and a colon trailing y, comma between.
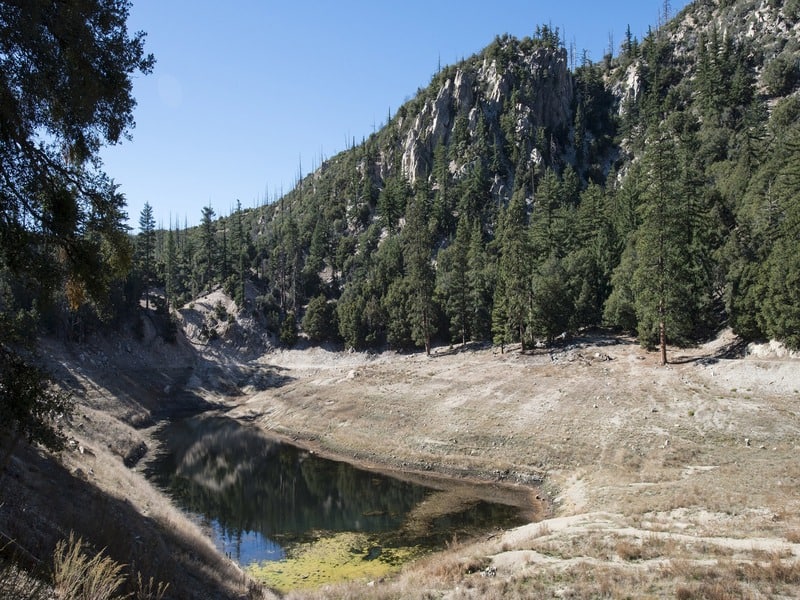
x: 519, y: 196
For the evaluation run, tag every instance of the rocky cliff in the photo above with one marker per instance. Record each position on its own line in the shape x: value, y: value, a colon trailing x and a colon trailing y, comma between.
x: 536, y: 88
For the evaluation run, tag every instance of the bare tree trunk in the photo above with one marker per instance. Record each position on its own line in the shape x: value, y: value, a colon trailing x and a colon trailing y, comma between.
x: 425, y: 324
x: 662, y: 333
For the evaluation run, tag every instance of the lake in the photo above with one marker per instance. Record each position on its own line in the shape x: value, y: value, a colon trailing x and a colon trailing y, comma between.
x: 274, y: 507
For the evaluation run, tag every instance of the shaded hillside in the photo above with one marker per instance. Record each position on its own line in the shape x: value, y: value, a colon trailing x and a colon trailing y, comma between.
x: 514, y: 199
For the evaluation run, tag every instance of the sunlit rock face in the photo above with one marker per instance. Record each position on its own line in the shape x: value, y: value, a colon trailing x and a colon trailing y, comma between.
x: 535, y: 87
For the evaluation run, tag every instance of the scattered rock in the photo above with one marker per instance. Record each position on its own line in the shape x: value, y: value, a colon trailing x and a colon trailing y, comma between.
x: 84, y: 450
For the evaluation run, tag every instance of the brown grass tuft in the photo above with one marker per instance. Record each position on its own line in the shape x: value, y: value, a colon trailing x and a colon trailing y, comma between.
x: 628, y: 550
x: 79, y: 576
x: 793, y: 536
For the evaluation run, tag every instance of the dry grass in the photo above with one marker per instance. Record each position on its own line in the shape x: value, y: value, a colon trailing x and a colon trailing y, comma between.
x: 628, y: 550
x: 20, y: 584
x: 80, y: 574
x: 734, y: 579
x: 793, y: 536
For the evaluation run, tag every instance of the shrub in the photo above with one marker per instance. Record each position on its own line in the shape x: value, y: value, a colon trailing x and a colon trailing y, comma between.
x: 319, y: 322
x: 781, y: 75
x: 288, y: 334
x: 220, y: 311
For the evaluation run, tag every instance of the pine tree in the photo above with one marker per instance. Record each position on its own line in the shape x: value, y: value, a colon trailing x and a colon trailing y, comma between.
x: 419, y: 270
x: 662, y: 278
x: 513, y: 292
x: 171, y: 267
x: 551, y: 303
x: 319, y: 321
x: 548, y: 228
x: 452, y: 273
x: 145, y: 246
x: 240, y: 256
x: 619, y: 309
x: 208, y: 247
x: 780, y: 313
x: 392, y: 201
x: 286, y: 260
x: 443, y: 204
x: 480, y: 283
x: 591, y: 263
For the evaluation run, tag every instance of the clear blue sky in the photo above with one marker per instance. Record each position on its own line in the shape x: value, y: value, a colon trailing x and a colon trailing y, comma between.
x: 246, y: 93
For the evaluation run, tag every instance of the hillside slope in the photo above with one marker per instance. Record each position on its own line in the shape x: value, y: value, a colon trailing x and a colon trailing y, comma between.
x: 513, y: 198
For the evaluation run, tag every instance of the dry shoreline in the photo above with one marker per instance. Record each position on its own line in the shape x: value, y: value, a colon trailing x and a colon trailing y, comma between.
x: 673, y: 478
x: 704, y: 447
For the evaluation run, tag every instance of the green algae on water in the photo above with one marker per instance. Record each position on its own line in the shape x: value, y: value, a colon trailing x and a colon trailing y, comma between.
x: 334, y: 558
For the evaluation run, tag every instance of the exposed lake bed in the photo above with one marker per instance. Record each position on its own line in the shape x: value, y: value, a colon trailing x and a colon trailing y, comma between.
x: 642, y: 466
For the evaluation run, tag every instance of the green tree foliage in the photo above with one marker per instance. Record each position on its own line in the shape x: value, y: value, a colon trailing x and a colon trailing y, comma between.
x: 474, y: 201
x: 620, y: 307
x: 171, y: 267
x: 453, y: 283
x: 781, y: 309
x: 286, y: 261
x: 319, y: 320
x: 513, y: 291
x: 65, y: 90
x: 241, y: 243
x: 782, y: 74
x: 550, y: 222
x: 61, y: 217
x: 669, y: 204
x: 551, y: 301
x: 444, y: 196
x: 145, y: 248
x: 662, y: 279
x: 590, y: 264
x: 208, y: 256
x: 481, y: 274
x: 392, y: 201
x: 289, y: 333
x: 419, y: 270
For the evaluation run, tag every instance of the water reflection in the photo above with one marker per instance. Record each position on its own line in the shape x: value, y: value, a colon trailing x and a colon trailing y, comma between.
x: 259, y: 495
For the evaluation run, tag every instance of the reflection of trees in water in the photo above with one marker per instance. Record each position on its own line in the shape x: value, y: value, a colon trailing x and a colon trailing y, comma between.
x: 245, y: 481
x: 232, y: 473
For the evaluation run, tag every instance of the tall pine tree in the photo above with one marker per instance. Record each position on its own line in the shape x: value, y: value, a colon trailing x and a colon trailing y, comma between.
x: 145, y: 248
x: 513, y: 291
x: 662, y: 279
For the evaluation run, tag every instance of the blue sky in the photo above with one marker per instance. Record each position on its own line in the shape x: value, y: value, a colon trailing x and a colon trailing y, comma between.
x: 246, y: 94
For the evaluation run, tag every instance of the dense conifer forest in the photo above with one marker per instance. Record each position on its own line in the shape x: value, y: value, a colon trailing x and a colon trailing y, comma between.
x: 524, y: 193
